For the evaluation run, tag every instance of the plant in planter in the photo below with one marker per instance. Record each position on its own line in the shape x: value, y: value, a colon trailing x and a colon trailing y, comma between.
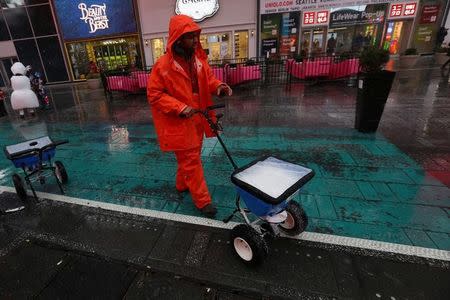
x: 374, y: 85
x: 409, y: 58
x: 93, y: 80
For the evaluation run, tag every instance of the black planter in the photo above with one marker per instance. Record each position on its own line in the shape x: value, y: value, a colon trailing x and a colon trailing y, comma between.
x: 373, y: 91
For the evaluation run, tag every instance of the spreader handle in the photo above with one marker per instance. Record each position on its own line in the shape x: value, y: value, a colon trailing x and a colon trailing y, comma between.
x: 215, y: 106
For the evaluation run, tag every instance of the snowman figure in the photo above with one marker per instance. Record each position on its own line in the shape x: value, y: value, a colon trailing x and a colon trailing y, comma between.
x: 22, y: 96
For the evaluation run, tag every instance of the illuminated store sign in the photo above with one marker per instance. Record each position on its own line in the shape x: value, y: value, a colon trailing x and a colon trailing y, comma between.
x: 315, y: 18
x: 95, y: 16
x: 355, y: 16
x: 403, y: 10
x: 197, y: 9
x: 280, y: 6
x: 85, y: 19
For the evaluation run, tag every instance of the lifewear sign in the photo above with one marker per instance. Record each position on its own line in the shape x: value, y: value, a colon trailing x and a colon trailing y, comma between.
x: 197, y: 9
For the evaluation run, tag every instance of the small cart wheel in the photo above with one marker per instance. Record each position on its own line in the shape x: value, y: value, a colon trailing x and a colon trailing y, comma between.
x: 60, y: 172
x: 296, y: 221
x: 20, y: 189
x: 248, y: 244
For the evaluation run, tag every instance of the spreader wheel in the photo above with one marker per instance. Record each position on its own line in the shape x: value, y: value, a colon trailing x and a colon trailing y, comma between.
x: 248, y: 244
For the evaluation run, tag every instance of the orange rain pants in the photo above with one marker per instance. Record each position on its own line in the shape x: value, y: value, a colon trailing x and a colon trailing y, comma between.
x: 190, y: 176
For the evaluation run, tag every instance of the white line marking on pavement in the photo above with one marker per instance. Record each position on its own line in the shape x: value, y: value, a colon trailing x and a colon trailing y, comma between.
x: 305, y: 236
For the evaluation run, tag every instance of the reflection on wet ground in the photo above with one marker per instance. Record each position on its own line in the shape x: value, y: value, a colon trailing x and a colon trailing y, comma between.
x: 391, y: 186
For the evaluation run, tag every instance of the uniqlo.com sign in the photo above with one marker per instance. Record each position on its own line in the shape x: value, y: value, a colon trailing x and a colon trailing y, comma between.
x: 396, y: 10
x: 322, y: 17
x: 309, y: 18
x: 403, y: 10
x: 315, y: 18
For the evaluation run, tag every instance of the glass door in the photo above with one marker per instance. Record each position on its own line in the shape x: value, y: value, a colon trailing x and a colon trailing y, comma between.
x: 158, y: 48
x: 241, y: 44
x: 217, y: 45
x: 313, y: 41
x: 5, y: 70
x: 306, y: 43
x: 318, y: 41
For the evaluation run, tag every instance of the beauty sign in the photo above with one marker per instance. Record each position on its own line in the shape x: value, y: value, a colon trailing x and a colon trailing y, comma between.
x: 82, y: 19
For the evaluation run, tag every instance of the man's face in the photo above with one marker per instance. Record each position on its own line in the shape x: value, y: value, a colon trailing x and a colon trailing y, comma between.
x: 189, y: 40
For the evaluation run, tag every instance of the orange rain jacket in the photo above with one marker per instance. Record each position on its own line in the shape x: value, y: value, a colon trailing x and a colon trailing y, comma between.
x: 169, y: 91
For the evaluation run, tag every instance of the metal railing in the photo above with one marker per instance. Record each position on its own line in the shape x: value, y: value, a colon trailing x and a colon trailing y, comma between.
x: 256, y: 71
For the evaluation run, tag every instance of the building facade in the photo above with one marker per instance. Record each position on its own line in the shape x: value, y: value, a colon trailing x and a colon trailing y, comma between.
x: 228, y: 26
x: 28, y: 33
x: 339, y: 26
x: 98, y: 35
x: 67, y: 39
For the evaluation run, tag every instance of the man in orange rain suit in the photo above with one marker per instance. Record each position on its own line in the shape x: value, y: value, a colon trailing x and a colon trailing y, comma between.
x: 180, y: 83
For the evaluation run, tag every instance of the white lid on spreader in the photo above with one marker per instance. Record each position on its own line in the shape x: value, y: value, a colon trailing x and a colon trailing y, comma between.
x: 272, y: 176
x: 31, y: 144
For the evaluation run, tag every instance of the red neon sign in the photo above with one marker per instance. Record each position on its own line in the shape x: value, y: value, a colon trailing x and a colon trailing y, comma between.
x: 322, y: 17
x: 396, y: 10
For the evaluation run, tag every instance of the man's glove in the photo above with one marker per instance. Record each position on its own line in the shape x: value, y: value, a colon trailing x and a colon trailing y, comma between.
x: 187, y: 112
x: 224, y: 89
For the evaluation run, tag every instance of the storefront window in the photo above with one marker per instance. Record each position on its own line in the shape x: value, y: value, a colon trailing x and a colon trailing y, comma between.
x: 111, y: 54
x: 312, y: 41
x: 157, y: 48
x: 241, y: 44
x: 306, y: 42
x: 357, y: 26
x: 4, y: 34
x: 42, y: 20
x: 17, y: 19
x: 279, y: 34
x: 317, y: 41
x: 11, y: 3
x: 393, y: 34
x: 217, y: 45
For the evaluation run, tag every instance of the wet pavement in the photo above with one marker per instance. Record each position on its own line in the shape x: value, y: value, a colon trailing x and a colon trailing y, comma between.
x: 390, y: 186
x: 59, y: 250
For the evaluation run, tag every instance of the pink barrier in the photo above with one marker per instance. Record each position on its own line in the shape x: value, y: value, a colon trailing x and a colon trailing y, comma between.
x: 354, y: 66
x: 141, y: 77
x: 232, y: 75
x: 130, y: 84
x: 114, y: 84
x: 122, y: 83
x: 296, y: 69
x: 250, y: 73
x: 349, y: 67
x: 323, y: 67
x: 318, y: 68
x: 218, y: 73
x: 241, y: 74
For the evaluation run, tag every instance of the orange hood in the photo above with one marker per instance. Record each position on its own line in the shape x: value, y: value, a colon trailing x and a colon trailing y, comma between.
x: 179, y: 25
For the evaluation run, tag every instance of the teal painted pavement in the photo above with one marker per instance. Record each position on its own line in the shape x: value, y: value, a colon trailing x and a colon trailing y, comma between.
x: 364, y: 185
x: 391, y: 186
